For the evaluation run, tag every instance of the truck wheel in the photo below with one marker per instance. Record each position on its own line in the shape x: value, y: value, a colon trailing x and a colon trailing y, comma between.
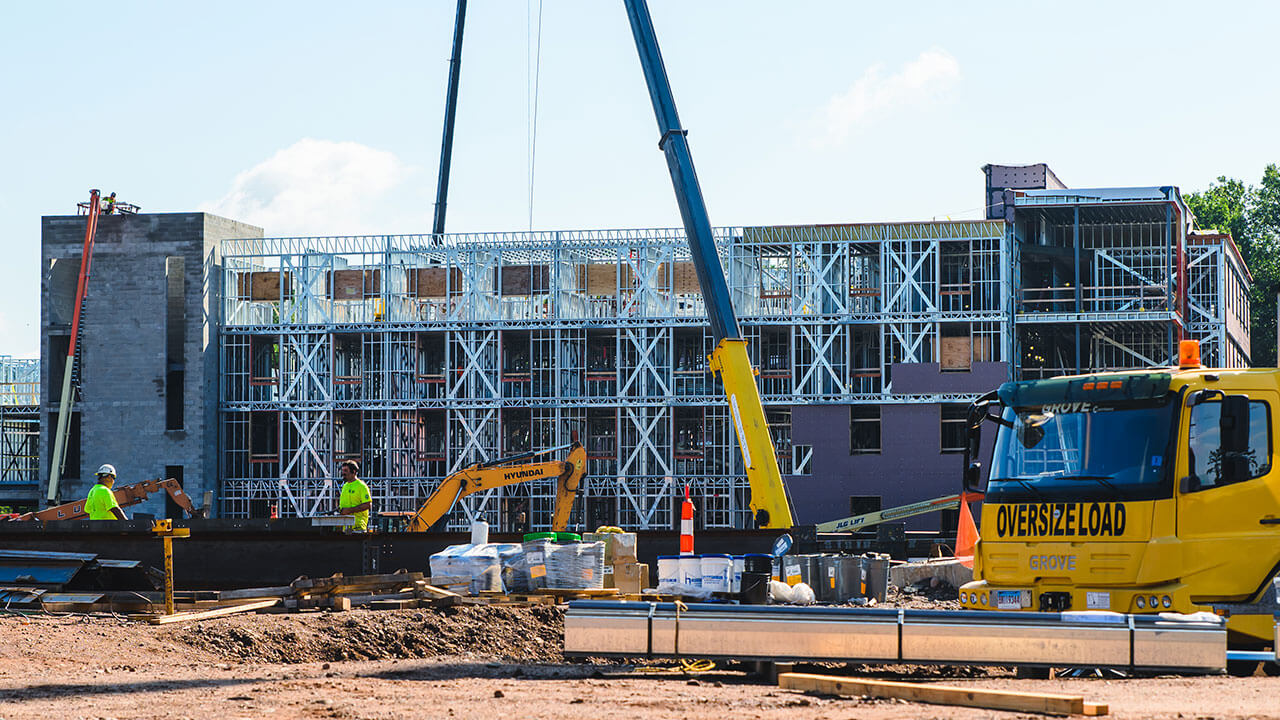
x: 1242, y: 668
x: 1271, y: 669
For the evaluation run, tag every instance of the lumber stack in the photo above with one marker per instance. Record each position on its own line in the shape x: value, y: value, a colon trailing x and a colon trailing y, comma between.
x: 936, y: 694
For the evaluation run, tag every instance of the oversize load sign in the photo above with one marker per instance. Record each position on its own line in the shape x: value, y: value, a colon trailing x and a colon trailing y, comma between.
x: 1061, y: 520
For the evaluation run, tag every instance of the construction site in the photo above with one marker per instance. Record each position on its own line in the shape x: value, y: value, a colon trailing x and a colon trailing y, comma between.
x: 1011, y: 466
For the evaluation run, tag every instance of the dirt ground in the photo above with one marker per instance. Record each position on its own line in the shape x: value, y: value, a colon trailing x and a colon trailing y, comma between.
x: 472, y: 662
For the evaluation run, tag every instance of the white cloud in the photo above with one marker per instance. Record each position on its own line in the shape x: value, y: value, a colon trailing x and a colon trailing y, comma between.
x: 917, y: 83
x: 315, y: 187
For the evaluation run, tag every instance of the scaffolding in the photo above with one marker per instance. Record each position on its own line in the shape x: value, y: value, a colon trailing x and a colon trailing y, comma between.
x: 418, y: 355
x: 19, y: 429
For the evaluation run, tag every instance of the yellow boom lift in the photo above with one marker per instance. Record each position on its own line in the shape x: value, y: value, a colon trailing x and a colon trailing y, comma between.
x: 567, y: 473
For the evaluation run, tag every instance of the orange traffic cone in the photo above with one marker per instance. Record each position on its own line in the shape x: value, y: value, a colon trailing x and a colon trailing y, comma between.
x: 966, y: 534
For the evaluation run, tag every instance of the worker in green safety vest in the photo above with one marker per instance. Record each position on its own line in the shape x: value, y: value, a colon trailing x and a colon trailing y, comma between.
x: 101, y: 503
x: 355, y: 498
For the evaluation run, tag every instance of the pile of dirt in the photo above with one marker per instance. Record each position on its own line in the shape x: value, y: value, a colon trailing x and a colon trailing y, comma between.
x: 529, y: 634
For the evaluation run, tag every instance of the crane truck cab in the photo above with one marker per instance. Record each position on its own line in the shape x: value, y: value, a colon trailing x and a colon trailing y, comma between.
x: 1140, y: 491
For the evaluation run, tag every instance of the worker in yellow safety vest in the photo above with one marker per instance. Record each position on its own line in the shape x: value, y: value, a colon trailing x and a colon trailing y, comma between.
x: 101, y: 503
x: 355, y: 498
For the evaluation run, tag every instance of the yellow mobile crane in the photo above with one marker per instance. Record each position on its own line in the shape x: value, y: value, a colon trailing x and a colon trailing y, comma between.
x: 568, y: 474
x: 1142, y: 491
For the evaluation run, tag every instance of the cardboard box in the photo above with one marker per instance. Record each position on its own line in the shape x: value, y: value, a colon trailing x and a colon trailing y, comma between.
x: 631, y: 577
x: 618, y: 547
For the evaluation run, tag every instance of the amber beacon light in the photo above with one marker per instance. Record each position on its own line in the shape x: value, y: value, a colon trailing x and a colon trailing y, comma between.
x: 1189, y: 353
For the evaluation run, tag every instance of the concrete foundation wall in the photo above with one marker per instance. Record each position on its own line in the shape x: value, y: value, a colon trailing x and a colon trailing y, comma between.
x: 124, y: 353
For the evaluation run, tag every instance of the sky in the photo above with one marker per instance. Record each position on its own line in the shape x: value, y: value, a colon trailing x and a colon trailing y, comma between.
x: 325, y: 118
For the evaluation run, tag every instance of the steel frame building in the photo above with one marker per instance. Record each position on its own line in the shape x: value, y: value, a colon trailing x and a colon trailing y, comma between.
x: 19, y: 430
x: 417, y: 355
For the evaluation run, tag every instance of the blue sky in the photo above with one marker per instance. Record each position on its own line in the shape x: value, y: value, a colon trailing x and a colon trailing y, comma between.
x: 325, y: 117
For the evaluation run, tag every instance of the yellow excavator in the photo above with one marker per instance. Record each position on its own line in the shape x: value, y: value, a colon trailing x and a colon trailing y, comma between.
x: 479, y: 477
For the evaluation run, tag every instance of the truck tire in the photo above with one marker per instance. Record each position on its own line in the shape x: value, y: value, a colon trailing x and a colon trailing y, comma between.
x: 1242, y: 668
x: 1271, y: 669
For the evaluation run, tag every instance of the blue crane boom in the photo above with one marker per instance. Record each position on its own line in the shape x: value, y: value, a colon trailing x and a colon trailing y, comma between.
x: 769, y: 503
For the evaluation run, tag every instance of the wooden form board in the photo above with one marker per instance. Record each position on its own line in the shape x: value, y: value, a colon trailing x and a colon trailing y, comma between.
x: 262, y: 285
x: 602, y: 278
x: 958, y: 353
x: 683, y: 279
x: 218, y: 612
x: 434, y: 282
x: 523, y: 279
x: 355, y: 284
x: 1047, y: 703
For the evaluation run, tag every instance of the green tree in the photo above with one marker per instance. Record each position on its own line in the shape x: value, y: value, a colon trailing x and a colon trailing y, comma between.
x: 1252, y: 216
x: 1222, y: 207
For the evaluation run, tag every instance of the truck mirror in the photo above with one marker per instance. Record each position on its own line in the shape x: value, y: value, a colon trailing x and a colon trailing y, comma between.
x: 973, y: 477
x: 1189, y: 484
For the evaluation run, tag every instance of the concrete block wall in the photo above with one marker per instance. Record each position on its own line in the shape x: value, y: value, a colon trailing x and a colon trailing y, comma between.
x: 124, y: 358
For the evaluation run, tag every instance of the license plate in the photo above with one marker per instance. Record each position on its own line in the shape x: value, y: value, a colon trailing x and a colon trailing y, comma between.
x: 1011, y: 599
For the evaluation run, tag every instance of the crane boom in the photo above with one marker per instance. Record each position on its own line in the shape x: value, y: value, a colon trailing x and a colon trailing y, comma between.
x: 769, y: 503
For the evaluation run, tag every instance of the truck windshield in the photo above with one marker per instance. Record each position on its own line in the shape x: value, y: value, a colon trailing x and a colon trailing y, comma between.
x: 1083, y: 452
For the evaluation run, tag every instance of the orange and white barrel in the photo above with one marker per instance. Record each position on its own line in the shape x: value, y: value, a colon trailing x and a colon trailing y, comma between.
x: 686, y: 524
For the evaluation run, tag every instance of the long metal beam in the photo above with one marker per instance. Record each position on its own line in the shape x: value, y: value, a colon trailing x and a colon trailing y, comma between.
x: 951, y: 637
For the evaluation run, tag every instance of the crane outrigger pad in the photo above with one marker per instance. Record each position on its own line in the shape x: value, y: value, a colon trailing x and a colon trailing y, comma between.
x: 1182, y: 644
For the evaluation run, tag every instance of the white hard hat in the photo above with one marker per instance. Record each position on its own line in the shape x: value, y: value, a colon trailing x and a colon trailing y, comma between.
x: 107, y: 469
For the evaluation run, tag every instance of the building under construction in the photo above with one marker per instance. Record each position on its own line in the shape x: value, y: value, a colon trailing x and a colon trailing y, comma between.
x: 19, y: 430
x: 418, y: 355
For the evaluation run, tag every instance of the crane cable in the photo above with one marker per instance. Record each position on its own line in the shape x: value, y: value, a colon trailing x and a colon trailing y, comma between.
x: 531, y: 93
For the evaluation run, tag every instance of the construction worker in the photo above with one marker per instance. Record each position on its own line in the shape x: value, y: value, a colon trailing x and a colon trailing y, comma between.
x: 355, y: 498
x: 101, y: 503
x: 111, y: 204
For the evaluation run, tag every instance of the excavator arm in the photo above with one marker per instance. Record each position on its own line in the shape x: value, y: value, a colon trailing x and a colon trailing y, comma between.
x: 568, y: 474
x: 125, y: 495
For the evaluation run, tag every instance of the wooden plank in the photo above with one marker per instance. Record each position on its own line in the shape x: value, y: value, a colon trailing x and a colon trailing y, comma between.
x: 1046, y: 703
x: 584, y: 592
x: 365, y: 589
x: 217, y: 612
x: 255, y: 593
x: 355, y: 580
x: 1096, y: 709
x: 393, y: 604
x: 436, y: 592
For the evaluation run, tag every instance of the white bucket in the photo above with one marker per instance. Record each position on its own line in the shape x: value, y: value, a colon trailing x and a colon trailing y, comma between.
x: 738, y: 560
x: 717, y: 573
x: 691, y: 570
x: 668, y: 569
x: 479, y: 532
